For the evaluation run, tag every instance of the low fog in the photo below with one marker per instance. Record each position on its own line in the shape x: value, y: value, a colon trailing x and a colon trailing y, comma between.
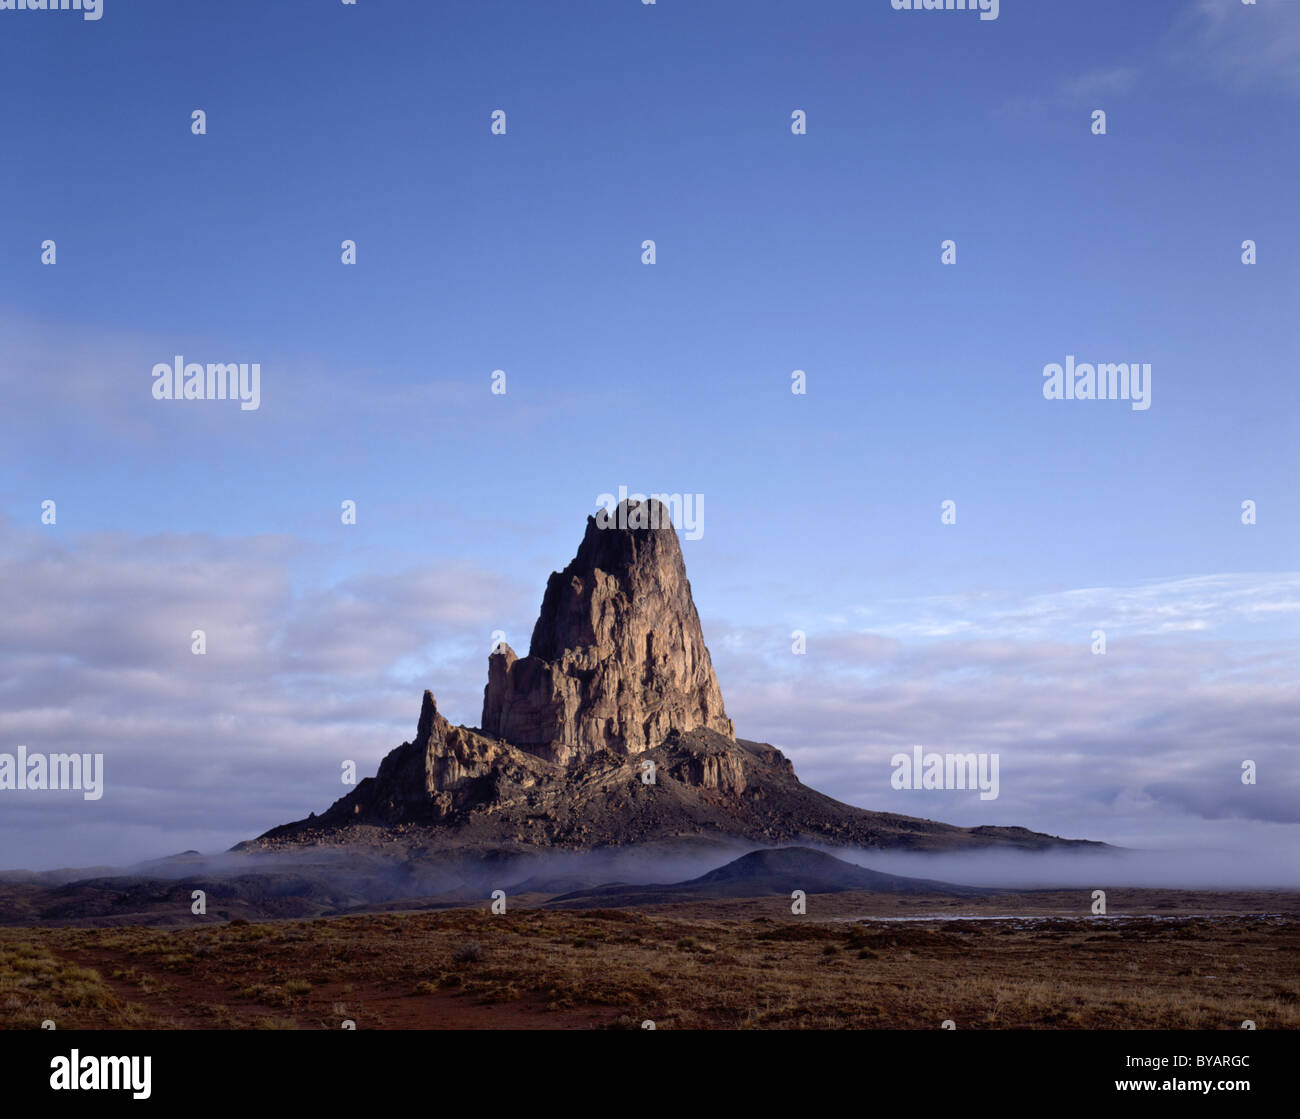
x: 1218, y: 869
x: 360, y: 877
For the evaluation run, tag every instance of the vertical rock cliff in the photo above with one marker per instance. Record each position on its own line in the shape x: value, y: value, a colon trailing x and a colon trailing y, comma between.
x: 617, y: 659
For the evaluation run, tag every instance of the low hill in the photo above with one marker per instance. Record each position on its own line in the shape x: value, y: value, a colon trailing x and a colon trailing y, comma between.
x: 762, y: 873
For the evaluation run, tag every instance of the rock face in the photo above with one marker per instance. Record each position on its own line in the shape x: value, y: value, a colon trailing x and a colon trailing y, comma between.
x: 611, y: 732
x: 445, y: 771
x: 617, y: 659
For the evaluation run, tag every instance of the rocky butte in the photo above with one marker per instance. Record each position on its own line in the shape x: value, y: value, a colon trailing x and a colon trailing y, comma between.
x: 617, y: 676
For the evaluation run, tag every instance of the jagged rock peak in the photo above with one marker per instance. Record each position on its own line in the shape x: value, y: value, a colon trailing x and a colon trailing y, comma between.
x: 617, y: 659
x: 617, y: 684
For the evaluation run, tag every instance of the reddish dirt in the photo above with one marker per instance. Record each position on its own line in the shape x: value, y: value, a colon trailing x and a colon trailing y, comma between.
x: 181, y: 1002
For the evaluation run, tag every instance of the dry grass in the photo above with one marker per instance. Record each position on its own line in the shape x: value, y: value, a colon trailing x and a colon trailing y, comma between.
x: 616, y: 969
x: 37, y: 986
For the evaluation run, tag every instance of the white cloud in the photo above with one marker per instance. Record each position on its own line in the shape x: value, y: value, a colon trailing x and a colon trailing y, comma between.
x: 1111, y: 80
x: 1244, y: 45
x: 1201, y: 603
x: 203, y: 751
x: 95, y: 655
x: 1163, y: 719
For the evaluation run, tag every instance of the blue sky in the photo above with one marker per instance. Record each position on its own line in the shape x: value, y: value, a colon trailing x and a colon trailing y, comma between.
x: 775, y: 252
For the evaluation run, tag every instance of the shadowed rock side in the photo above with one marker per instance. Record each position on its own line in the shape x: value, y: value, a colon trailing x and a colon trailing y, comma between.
x: 617, y: 676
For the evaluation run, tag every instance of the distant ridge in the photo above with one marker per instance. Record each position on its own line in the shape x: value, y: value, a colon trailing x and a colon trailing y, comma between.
x: 779, y: 870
